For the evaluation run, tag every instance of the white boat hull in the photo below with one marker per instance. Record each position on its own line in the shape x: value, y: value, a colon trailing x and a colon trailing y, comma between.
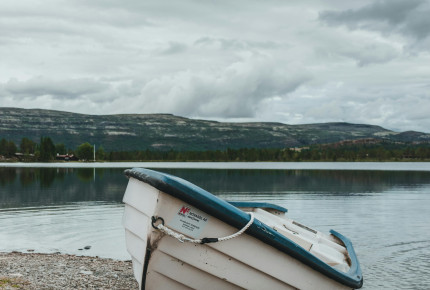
x: 162, y: 262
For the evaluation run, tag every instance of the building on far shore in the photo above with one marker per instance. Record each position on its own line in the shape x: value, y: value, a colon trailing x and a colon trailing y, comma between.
x: 66, y: 157
x: 22, y: 157
x: 299, y: 149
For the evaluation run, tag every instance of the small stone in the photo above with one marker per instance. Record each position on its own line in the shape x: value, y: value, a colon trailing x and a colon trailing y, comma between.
x: 87, y: 247
x: 86, y: 272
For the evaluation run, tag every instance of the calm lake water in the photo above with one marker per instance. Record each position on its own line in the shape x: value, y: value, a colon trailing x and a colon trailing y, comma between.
x: 383, y: 208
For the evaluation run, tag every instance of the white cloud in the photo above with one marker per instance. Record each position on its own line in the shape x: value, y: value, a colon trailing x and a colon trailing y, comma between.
x: 286, y: 61
x: 234, y: 91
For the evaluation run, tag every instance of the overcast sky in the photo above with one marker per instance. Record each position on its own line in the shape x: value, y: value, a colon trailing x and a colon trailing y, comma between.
x: 293, y: 62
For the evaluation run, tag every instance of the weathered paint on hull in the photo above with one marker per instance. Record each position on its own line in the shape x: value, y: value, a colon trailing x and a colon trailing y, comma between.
x: 243, y: 262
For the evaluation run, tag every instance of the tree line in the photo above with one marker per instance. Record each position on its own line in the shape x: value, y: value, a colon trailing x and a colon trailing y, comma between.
x: 384, y: 152
x: 46, y: 151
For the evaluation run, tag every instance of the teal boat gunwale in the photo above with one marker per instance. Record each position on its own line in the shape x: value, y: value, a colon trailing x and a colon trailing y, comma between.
x: 256, y: 204
x: 228, y: 213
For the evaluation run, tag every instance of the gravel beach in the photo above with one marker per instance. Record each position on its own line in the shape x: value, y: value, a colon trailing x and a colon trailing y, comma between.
x: 62, y: 271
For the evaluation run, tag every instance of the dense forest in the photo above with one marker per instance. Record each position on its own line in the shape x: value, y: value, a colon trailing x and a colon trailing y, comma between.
x: 315, y: 153
x: 47, y: 151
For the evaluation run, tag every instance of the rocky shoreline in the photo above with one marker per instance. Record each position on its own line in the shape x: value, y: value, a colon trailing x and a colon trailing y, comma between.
x: 63, y: 271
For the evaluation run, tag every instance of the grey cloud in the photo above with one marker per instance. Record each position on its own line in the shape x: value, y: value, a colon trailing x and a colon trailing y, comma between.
x: 362, y: 48
x: 419, y: 24
x: 224, y: 43
x: 393, y: 106
x: 257, y: 60
x: 233, y: 92
x: 370, y: 54
x: 392, y: 11
x: 76, y: 14
x: 173, y: 47
x: 59, y: 89
x: 405, y: 17
x: 220, y: 43
x: 186, y: 10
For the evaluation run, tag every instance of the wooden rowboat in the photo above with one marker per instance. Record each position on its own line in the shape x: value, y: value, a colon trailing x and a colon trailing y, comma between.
x: 182, y: 237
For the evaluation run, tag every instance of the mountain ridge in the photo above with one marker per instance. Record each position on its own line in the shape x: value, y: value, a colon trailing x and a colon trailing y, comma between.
x: 127, y: 132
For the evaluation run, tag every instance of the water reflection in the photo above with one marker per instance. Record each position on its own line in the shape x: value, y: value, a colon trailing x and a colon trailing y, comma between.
x: 21, y: 187
x: 85, y: 174
x: 45, y: 186
x: 27, y: 177
x: 303, y: 181
x: 7, y: 175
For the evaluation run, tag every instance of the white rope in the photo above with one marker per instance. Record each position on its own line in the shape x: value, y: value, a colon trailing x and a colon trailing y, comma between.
x: 180, y: 237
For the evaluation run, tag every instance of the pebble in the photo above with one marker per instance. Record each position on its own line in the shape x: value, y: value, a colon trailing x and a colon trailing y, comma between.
x: 62, y: 271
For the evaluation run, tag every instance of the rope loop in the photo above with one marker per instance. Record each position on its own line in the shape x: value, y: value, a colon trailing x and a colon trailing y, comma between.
x: 181, y: 238
x: 155, y: 219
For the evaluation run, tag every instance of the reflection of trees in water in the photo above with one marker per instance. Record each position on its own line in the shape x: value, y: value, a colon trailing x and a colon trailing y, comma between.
x: 292, y: 181
x: 47, y: 177
x: 47, y: 186
x: 85, y: 174
x: 100, y: 172
x: 28, y: 176
x: 7, y: 175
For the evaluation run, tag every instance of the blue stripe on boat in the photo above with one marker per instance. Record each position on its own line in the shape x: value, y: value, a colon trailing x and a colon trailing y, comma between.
x: 228, y: 213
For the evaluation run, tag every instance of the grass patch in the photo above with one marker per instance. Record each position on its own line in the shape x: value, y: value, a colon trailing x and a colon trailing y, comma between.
x: 12, y: 283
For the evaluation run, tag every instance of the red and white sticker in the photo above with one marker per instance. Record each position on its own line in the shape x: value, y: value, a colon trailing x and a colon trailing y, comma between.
x: 189, y: 221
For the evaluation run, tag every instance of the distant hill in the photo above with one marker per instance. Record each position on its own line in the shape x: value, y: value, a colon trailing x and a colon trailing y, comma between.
x: 163, y: 131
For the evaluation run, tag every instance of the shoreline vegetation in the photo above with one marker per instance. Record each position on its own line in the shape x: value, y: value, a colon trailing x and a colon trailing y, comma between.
x: 63, y: 271
x: 344, y: 151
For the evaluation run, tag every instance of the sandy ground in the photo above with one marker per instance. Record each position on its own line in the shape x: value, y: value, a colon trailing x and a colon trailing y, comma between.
x: 61, y: 271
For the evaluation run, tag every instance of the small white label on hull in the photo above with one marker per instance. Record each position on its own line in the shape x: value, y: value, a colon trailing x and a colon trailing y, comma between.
x: 189, y: 221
